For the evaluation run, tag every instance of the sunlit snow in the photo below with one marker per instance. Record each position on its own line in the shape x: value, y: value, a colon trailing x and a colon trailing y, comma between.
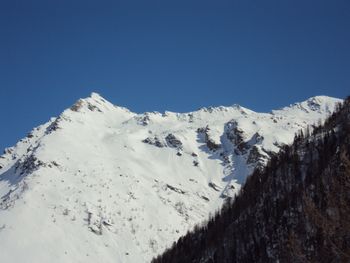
x: 103, y: 184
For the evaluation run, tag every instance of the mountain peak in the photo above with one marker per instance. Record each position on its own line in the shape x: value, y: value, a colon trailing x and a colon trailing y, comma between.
x: 96, y: 98
x: 320, y: 99
x: 95, y: 102
x: 320, y: 103
x: 315, y: 104
x: 95, y: 95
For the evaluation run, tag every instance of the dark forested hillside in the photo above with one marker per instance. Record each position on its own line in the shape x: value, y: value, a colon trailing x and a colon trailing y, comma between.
x: 295, y: 210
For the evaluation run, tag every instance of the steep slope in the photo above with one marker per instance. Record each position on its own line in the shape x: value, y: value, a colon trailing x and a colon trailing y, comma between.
x: 297, y: 209
x: 100, y: 183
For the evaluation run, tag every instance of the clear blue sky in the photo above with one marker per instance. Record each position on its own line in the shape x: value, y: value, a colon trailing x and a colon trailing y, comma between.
x: 167, y: 55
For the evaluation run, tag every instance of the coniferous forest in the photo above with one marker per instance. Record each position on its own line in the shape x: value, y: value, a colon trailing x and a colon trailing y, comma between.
x: 297, y: 209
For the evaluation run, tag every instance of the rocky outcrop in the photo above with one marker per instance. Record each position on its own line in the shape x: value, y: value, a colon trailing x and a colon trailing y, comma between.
x: 28, y: 164
x: 173, y: 142
x: 208, y: 141
x: 236, y: 136
x: 143, y: 119
x: 214, y: 186
x: 92, y: 107
x: 80, y: 104
x: 54, y: 126
x: 154, y: 141
x: 77, y: 106
x: 169, y: 141
x: 175, y: 189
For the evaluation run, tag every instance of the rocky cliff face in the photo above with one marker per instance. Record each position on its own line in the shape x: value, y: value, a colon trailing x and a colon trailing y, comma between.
x: 106, y: 184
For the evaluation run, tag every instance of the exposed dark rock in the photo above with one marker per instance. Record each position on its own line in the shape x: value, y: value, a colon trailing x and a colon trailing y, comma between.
x: 154, y: 141
x: 158, y: 144
x: 148, y: 140
x: 107, y: 222
x: 214, y: 186
x: 144, y: 120
x: 313, y: 104
x: 77, y: 106
x: 209, y: 109
x: 80, y: 103
x: 212, y: 145
x: 92, y: 107
x: 8, y: 150
x: 53, y: 163
x: 94, y: 225
x: 175, y: 189
x: 172, y: 141
x: 29, y: 164
x: 236, y: 136
x: 209, y: 141
x: 205, y: 198
x: 54, y: 126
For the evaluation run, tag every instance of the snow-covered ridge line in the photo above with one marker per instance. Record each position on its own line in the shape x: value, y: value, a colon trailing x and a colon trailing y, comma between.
x: 101, y: 183
x: 313, y: 104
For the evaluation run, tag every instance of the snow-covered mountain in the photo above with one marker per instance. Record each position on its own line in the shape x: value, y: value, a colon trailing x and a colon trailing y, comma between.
x: 102, y: 184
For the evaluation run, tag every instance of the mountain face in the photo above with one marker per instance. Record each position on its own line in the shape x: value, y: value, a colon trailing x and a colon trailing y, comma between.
x: 296, y: 209
x: 102, y: 184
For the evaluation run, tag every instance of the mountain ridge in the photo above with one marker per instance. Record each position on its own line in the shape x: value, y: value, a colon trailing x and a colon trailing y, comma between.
x: 317, y: 98
x: 124, y: 186
x: 295, y: 209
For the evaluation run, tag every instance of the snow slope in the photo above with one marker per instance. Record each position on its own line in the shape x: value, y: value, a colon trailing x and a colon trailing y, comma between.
x: 102, y: 184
